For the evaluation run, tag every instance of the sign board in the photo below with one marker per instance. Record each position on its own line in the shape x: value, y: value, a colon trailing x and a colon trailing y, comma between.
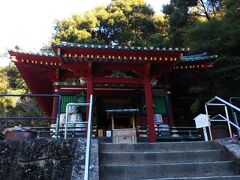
x: 201, y: 121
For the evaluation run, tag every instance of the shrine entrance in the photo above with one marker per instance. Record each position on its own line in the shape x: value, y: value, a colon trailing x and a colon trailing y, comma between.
x: 112, y: 102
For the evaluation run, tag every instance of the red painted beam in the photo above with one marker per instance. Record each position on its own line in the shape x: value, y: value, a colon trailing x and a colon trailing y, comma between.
x: 101, y: 68
x: 114, y: 80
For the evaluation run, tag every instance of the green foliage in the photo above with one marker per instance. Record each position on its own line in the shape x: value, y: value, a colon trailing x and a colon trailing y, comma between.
x: 16, y: 82
x: 178, y: 17
x: 5, y: 103
x: 212, y: 26
x: 25, y: 107
x: 203, y: 36
x: 121, y: 22
x: 183, y: 13
x: 195, y: 106
x: 220, y: 36
x: 11, y: 82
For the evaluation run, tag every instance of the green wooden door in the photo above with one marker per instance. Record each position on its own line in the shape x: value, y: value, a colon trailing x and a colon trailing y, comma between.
x: 65, y: 99
x: 159, y: 105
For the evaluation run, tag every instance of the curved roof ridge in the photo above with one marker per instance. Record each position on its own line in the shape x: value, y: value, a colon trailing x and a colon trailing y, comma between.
x: 122, y: 47
x: 51, y: 54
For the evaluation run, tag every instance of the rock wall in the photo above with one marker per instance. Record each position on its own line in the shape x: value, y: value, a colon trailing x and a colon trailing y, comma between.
x: 79, y: 161
x: 232, y: 148
x: 37, y: 159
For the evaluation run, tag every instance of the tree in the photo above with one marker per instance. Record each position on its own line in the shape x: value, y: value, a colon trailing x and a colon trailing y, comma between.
x: 207, y: 26
x: 203, y: 36
x: 15, y: 80
x: 220, y: 35
x: 178, y: 17
x: 5, y: 103
x: 121, y: 22
x: 207, y: 8
x: 25, y: 107
x: 184, y: 13
x: 11, y: 82
x: 129, y: 23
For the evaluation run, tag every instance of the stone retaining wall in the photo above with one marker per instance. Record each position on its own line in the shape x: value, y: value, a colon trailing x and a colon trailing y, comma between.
x: 79, y: 161
x: 37, y: 159
x: 232, y: 149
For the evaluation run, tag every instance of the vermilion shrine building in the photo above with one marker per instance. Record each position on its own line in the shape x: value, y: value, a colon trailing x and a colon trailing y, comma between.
x: 119, y: 77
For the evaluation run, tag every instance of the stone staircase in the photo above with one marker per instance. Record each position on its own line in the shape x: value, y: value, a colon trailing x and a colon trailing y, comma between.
x: 165, y: 160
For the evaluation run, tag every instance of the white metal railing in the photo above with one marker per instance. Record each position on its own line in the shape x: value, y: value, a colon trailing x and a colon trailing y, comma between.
x: 89, y: 138
x: 217, y: 101
x: 89, y: 132
x: 234, y: 114
x: 67, y: 114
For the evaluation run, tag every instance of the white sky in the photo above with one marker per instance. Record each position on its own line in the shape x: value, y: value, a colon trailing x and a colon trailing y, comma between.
x: 29, y: 23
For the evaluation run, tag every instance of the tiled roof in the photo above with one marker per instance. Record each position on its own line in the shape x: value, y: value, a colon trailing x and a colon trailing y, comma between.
x: 49, y: 54
x: 198, y: 57
x: 150, y: 48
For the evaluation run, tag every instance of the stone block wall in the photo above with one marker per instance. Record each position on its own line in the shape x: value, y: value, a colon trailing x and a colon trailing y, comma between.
x: 232, y: 150
x: 37, y: 159
x: 79, y: 160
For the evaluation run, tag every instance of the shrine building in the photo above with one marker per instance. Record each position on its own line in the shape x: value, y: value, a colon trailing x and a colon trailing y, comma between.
x: 119, y: 77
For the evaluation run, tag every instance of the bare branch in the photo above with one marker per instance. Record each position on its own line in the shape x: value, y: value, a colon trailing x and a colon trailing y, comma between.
x: 205, y: 9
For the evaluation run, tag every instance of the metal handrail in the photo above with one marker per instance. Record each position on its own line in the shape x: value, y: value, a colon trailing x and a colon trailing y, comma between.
x: 89, y: 132
x: 223, y: 120
x: 57, y: 115
x: 89, y: 138
x: 225, y: 104
x: 67, y: 113
x: 234, y: 115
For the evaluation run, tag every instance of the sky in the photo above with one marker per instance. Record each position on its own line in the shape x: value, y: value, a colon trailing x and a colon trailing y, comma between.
x: 29, y: 23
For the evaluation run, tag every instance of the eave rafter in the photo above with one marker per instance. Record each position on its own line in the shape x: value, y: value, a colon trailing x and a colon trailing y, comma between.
x: 197, y: 61
x: 120, y: 59
x: 50, y: 61
x: 116, y: 54
x: 192, y: 65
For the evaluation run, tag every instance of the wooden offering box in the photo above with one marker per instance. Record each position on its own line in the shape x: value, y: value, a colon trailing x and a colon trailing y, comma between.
x: 123, y: 135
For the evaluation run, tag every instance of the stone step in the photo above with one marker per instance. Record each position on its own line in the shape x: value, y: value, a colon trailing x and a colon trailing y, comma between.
x: 158, y: 147
x: 127, y: 158
x: 171, y: 170
x: 199, y: 178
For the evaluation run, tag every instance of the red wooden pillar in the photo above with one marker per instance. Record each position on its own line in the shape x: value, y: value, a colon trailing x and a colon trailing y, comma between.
x: 55, y: 107
x: 89, y: 85
x: 54, y: 110
x: 55, y: 99
x: 149, y: 105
